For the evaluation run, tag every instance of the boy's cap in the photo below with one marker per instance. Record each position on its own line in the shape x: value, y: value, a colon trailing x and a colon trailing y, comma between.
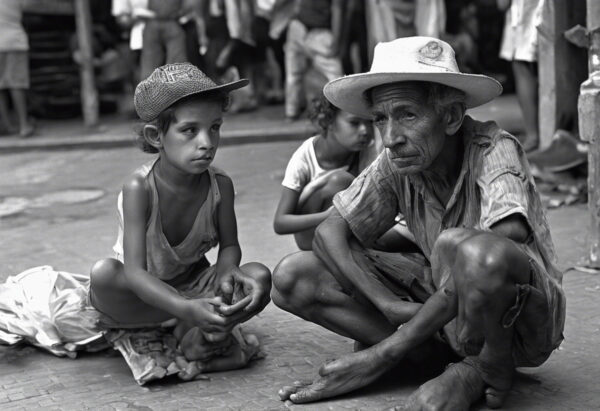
x: 172, y: 82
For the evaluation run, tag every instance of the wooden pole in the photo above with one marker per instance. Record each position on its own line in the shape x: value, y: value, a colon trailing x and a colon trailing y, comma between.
x: 589, y: 128
x: 89, y: 95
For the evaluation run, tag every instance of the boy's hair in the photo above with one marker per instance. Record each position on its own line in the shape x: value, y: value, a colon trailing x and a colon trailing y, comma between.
x: 322, y: 113
x: 166, y: 117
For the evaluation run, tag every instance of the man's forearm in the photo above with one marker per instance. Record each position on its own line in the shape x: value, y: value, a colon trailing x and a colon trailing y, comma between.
x: 332, y: 246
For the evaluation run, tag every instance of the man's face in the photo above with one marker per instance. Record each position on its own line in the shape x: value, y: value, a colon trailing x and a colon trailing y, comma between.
x: 412, y: 131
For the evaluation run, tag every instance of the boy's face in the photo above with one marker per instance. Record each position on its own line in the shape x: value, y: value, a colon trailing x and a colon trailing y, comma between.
x: 191, y: 141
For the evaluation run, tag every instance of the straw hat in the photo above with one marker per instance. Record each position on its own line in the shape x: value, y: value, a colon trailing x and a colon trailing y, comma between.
x: 410, y: 59
x: 172, y: 82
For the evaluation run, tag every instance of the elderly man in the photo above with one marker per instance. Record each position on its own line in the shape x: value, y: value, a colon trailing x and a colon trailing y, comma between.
x: 485, y: 279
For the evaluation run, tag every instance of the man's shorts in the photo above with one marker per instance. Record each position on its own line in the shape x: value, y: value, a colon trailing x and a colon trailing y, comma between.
x: 14, y: 70
x: 538, y: 313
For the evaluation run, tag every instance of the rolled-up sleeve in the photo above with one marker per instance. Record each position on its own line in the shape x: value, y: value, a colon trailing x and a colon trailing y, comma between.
x: 370, y: 204
x: 503, y: 184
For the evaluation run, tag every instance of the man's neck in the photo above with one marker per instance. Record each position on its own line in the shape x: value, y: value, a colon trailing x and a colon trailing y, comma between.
x: 445, y: 170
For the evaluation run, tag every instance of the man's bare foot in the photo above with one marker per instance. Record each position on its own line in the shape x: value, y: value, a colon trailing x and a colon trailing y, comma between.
x: 498, y: 377
x: 337, y: 377
x: 456, y: 389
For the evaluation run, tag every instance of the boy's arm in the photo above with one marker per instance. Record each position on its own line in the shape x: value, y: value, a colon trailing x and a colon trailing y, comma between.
x: 232, y: 281
x: 287, y: 222
x: 147, y: 287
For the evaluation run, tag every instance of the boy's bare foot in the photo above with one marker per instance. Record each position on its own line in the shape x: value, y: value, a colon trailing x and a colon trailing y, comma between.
x: 456, y: 389
x: 337, y: 377
x: 195, y: 346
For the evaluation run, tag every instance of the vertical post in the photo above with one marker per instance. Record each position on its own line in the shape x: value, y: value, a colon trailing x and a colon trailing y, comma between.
x: 589, y: 128
x: 89, y: 95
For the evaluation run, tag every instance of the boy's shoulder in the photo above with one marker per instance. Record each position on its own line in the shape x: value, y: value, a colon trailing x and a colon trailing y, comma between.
x: 219, y: 172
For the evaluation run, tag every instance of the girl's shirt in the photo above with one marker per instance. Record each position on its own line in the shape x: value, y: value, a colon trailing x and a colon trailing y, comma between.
x: 304, y: 168
x: 163, y: 260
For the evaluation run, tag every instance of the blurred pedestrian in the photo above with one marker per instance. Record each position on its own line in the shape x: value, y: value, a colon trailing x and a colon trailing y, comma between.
x: 519, y: 45
x: 314, y: 37
x: 14, y: 66
x: 163, y: 41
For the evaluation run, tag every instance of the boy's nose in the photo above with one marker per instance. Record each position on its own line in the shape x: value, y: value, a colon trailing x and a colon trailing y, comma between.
x: 204, y: 141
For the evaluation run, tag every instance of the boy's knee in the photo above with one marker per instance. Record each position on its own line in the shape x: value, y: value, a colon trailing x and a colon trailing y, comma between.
x: 103, y: 274
x: 259, y: 272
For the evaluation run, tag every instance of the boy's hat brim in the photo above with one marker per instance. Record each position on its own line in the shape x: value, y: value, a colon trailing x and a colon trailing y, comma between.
x: 409, y: 59
x: 172, y: 82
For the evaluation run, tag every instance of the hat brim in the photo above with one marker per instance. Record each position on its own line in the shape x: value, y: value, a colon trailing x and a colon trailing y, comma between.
x: 227, y: 87
x: 349, y: 92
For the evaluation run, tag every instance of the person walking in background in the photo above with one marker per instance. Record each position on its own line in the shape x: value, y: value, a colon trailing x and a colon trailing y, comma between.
x: 14, y: 66
x: 519, y: 45
x: 313, y: 37
x: 164, y: 38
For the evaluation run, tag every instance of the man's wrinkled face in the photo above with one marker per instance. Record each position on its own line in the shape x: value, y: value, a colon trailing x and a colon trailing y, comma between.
x: 412, y: 131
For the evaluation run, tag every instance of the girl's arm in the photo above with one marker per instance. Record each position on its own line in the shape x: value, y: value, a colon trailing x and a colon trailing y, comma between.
x: 148, y: 288
x: 286, y: 222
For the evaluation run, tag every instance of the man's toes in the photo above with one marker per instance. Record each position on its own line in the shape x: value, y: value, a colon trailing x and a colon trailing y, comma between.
x: 495, y: 398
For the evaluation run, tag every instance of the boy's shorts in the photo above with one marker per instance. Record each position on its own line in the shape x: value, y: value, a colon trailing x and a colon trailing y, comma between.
x: 14, y: 69
x: 538, y: 312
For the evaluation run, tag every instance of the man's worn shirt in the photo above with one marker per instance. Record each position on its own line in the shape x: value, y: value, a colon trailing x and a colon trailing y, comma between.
x: 494, y: 182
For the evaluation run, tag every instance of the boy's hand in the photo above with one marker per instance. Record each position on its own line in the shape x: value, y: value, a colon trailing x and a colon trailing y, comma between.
x: 203, y: 312
x: 244, y: 294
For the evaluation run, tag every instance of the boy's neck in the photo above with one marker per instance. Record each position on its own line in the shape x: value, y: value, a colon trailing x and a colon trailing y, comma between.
x: 175, y: 178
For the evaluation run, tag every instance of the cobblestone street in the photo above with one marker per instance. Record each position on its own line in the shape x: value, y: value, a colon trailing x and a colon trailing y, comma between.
x: 51, y: 226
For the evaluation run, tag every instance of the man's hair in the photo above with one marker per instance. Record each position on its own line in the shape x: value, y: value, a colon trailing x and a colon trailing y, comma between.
x: 166, y: 117
x: 439, y: 95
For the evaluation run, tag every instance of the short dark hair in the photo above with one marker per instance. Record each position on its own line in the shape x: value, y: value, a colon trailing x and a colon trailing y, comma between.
x: 166, y: 117
x: 322, y: 113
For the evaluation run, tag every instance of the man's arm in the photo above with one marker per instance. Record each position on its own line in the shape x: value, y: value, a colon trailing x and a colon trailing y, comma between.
x: 332, y: 245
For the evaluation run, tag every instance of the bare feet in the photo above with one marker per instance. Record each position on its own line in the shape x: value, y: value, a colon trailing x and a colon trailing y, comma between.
x: 498, y: 377
x: 337, y: 377
x: 456, y: 389
x: 196, y: 345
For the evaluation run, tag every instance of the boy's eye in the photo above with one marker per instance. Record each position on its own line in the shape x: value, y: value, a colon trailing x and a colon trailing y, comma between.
x: 189, y: 130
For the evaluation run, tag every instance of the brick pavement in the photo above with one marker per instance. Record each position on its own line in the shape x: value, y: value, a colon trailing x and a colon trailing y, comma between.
x: 71, y: 237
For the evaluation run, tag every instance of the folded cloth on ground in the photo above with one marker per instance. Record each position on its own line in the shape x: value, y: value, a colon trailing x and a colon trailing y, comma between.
x: 49, y: 309
x: 152, y: 354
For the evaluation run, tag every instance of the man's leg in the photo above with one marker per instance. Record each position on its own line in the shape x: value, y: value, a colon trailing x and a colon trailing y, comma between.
x: 303, y: 286
x: 476, y: 286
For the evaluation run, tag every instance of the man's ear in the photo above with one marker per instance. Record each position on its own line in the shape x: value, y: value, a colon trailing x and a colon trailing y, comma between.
x: 152, y: 136
x: 455, y: 114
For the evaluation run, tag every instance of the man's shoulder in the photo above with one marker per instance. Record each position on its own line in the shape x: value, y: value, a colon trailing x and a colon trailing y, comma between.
x: 489, y: 136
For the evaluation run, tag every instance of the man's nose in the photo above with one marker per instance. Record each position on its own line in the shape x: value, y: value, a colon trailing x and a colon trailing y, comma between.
x: 392, y: 135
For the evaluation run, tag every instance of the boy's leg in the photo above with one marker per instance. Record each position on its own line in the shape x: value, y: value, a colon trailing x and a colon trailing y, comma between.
x: 295, y: 67
x: 526, y: 83
x: 110, y: 294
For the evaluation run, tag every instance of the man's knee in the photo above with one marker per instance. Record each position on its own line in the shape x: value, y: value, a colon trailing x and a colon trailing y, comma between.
x: 483, y: 262
x: 292, y: 283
